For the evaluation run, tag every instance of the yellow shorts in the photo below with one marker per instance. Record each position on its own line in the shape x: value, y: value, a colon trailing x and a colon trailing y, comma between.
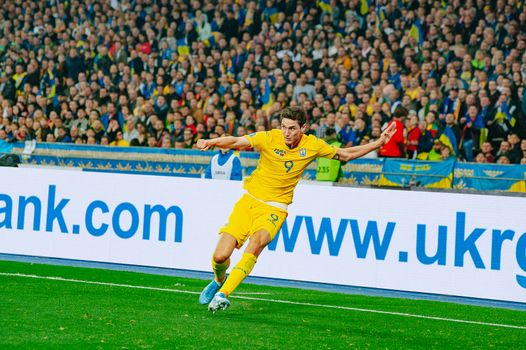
x: 251, y: 215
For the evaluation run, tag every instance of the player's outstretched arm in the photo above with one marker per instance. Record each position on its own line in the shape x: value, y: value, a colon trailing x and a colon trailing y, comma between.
x: 350, y: 153
x: 223, y: 142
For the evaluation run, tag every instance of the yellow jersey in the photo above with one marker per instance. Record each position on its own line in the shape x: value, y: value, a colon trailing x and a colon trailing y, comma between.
x: 279, y: 167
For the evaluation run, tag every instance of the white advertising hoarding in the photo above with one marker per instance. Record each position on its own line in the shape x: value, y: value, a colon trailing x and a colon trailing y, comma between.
x: 443, y: 243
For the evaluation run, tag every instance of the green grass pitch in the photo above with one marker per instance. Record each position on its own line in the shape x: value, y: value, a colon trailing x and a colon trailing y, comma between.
x: 38, y: 313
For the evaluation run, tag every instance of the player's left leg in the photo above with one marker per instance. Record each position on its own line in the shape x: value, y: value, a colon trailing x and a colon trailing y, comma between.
x: 220, y: 263
x: 233, y: 234
x: 221, y: 258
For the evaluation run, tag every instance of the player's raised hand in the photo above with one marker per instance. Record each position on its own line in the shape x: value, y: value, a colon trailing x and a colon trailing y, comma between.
x: 204, y: 144
x: 387, y: 134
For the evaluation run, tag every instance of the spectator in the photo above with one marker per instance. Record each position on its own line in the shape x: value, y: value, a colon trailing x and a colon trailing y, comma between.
x: 119, y: 140
x: 188, y: 138
x: 413, y: 136
x: 225, y: 165
x: 504, y: 150
x: 62, y: 136
x: 515, y: 153
x: 480, y: 158
x: 503, y: 160
x: 436, y: 151
x: 395, y: 146
x: 74, y: 65
x: 131, y: 131
x: 470, y: 126
x: 487, y: 152
x: 346, y: 133
x: 166, y: 142
x: 329, y: 169
x: 104, y: 141
x: 425, y: 141
x: 445, y: 153
x: 359, y: 130
x: 302, y: 87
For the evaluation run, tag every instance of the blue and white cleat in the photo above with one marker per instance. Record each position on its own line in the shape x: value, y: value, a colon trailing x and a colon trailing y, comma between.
x: 208, y: 293
x: 220, y: 302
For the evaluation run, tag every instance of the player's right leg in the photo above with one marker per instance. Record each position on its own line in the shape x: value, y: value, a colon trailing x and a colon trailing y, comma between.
x: 220, y: 263
x: 258, y: 241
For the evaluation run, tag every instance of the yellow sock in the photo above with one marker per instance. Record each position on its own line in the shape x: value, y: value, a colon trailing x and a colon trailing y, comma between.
x: 238, y: 274
x: 220, y: 270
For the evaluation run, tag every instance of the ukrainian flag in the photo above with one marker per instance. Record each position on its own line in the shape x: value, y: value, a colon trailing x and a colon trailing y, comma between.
x: 417, y: 32
x: 182, y: 47
x: 499, y: 177
x: 364, y: 7
x: 325, y: 5
x: 380, y: 16
x: 266, y: 98
x: 50, y: 81
x: 449, y: 139
x: 271, y: 14
x: 504, y: 111
x: 380, y: 12
x: 430, y: 174
x: 274, y: 17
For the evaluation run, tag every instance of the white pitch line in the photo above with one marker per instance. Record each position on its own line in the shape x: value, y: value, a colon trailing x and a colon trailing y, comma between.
x: 109, y: 284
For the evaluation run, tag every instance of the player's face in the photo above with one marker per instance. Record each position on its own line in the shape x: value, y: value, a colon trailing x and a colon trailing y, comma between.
x: 292, y: 132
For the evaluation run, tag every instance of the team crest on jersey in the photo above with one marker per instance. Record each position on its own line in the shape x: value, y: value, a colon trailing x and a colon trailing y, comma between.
x: 303, y: 152
x: 280, y: 152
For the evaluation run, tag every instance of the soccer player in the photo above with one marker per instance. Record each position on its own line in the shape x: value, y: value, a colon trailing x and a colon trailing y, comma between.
x: 260, y: 212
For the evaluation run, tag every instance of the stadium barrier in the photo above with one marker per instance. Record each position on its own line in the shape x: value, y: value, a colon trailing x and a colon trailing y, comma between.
x: 448, y: 174
x: 444, y: 243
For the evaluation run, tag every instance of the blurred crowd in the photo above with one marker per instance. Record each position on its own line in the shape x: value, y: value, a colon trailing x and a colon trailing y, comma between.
x: 161, y: 73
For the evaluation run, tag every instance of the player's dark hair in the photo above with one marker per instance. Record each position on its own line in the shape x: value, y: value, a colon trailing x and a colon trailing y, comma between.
x: 293, y: 113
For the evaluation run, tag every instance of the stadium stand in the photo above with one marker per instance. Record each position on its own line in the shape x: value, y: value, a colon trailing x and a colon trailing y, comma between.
x: 160, y: 73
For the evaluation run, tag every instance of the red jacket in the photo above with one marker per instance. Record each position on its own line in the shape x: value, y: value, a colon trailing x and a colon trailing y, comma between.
x: 412, y: 139
x: 394, y: 147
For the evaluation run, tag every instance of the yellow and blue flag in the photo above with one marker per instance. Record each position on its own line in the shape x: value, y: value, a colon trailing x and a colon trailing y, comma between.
x: 270, y: 14
x: 182, y: 47
x: 494, y: 177
x: 325, y: 5
x: 365, y: 5
x: 266, y: 98
x: 504, y: 112
x: 405, y: 172
x: 380, y: 16
x: 50, y: 81
x: 449, y: 139
x: 417, y: 32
